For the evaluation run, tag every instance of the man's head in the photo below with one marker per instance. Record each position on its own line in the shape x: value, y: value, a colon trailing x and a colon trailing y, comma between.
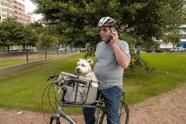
x: 106, y: 24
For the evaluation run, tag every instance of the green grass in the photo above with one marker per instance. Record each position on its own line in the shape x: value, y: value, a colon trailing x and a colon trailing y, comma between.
x: 169, y: 72
x: 13, y: 60
x: 179, y: 53
x: 23, y: 89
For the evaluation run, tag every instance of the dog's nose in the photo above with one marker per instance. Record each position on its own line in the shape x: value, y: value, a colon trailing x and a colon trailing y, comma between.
x: 77, y: 69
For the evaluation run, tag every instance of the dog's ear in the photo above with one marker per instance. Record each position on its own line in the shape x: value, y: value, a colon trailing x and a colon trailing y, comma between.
x: 90, y: 61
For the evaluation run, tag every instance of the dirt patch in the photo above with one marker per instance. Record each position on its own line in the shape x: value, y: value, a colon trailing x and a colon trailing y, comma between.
x: 168, y: 108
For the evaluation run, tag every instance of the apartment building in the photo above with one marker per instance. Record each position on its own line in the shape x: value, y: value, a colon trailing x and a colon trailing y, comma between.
x: 14, y: 9
x: 19, y: 11
x: 6, y: 9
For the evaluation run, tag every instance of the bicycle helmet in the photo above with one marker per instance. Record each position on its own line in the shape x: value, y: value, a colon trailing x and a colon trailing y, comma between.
x: 106, y: 21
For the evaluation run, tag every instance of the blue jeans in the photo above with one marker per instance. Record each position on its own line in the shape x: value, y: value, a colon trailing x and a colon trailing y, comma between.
x: 112, y: 100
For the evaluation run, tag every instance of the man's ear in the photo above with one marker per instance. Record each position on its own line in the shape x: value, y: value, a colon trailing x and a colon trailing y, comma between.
x: 90, y: 61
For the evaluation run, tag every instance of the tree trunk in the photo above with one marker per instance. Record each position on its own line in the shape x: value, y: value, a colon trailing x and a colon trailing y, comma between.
x: 138, y: 50
x: 23, y: 48
x: 8, y: 48
x: 4, y: 49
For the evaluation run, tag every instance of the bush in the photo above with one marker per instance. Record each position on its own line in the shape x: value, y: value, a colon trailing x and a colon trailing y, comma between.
x: 138, y: 62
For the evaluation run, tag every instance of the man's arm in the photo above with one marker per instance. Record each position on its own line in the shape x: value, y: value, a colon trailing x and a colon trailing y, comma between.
x: 121, y: 57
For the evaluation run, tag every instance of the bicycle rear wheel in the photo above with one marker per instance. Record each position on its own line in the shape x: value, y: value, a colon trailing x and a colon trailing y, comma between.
x: 99, y: 115
x: 123, y: 114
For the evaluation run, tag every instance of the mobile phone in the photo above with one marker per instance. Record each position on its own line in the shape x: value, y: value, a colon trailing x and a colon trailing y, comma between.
x: 111, y: 37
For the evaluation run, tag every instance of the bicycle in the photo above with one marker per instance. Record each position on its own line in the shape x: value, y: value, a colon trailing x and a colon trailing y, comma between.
x: 63, y: 81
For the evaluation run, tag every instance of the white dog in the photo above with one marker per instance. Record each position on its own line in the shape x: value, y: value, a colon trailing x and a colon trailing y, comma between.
x: 84, y: 70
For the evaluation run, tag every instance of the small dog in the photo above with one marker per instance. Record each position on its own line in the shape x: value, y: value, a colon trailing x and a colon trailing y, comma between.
x: 84, y: 70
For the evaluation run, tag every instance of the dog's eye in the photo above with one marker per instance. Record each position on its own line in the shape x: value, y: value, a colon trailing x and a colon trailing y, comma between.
x: 83, y: 65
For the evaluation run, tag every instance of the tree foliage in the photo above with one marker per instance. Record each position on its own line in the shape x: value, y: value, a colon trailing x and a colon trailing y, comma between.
x: 10, y: 32
x: 46, y: 39
x: 139, y: 21
x: 172, y: 37
x: 77, y: 19
x: 15, y: 33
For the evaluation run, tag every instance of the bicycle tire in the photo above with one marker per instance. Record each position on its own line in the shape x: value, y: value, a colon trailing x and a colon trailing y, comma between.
x: 54, y: 120
x: 123, y: 114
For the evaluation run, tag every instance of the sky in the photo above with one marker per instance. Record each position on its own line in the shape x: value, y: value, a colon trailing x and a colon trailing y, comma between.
x: 30, y: 7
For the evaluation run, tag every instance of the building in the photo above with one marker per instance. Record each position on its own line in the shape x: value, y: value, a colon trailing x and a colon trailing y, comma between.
x: 166, y: 46
x: 6, y: 9
x: 14, y: 9
x: 181, y: 45
x: 19, y: 11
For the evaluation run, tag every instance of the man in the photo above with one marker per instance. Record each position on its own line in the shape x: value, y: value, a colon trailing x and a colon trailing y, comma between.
x: 112, y: 57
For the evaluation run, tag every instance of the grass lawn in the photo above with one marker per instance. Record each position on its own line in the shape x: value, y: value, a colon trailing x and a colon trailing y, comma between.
x: 11, y: 61
x: 169, y: 72
x: 23, y: 89
x: 21, y: 59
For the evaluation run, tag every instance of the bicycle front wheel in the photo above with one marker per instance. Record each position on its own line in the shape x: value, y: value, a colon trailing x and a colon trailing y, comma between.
x: 54, y: 120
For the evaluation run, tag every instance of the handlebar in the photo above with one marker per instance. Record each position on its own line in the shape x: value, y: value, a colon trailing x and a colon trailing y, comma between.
x: 67, y: 77
x: 78, y: 80
x: 52, y: 76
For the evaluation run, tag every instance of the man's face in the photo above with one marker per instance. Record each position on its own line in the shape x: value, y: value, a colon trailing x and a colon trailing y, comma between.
x: 105, y: 34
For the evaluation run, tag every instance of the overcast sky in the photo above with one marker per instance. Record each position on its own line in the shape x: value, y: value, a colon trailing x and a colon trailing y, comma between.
x: 30, y: 7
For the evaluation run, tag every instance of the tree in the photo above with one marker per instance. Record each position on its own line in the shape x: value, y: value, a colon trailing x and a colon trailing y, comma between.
x: 139, y: 21
x: 30, y: 37
x: 10, y: 33
x: 47, y: 39
x: 172, y: 37
x: 77, y: 19
x: 15, y: 33
x: 152, y: 18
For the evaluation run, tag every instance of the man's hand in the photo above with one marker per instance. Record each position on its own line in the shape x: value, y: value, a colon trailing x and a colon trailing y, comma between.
x: 115, y: 37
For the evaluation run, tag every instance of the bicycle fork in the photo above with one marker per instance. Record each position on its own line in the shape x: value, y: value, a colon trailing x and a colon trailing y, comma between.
x: 62, y: 114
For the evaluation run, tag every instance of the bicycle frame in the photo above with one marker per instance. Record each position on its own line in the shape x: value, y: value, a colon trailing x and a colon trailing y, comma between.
x: 61, y: 113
